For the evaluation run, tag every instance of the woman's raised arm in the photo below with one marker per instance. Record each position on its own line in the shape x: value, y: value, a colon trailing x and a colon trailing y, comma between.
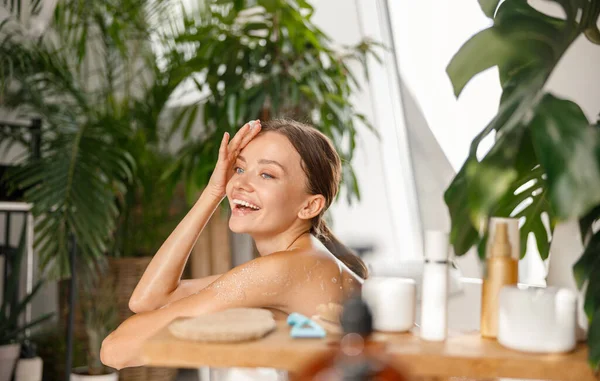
x: 162, y: 278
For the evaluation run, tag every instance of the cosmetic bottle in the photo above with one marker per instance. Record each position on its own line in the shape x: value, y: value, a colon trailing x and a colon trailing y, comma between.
x: 501, y: 269
x: 434, y: 291
x: 355, y: 357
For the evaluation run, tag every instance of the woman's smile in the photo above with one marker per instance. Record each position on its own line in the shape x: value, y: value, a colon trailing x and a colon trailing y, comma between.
x: 240, y: 208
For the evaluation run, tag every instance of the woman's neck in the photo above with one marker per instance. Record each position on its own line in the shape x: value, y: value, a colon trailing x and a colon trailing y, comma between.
x: 288, y: 240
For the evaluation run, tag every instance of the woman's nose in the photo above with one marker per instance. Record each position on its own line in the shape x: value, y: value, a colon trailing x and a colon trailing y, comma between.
x: 242, y: 181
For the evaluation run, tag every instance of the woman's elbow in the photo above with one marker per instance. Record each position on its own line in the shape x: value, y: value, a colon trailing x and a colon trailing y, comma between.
x: 135, y: 306
x: 109, y: 352
x: 138, y: 306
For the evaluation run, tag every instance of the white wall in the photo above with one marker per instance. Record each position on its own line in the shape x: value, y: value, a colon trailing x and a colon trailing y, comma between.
x: 386, y: 216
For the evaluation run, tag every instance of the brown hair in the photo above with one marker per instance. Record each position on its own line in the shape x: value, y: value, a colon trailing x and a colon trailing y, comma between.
x: 322, y: 166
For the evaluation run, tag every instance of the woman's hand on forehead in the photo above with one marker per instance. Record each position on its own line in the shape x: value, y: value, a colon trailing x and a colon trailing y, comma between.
x: 228, y: 154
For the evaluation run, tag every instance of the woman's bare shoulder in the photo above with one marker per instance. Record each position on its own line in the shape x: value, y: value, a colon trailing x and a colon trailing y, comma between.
x: 304, y: 256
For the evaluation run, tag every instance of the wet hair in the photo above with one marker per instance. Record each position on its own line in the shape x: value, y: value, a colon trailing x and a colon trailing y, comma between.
x: 322, y: 166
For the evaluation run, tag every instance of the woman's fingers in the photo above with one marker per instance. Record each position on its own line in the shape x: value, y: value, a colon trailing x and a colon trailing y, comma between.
x: 223, y: 147
x: 254, y: 130
x: 237, y: 139
x: 242, y: 137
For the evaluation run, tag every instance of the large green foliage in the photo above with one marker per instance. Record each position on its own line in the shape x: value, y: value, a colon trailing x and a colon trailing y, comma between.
x: 96, y: 83
x: 263, y: 59
x: 544, y: 165
x: 101, y: 79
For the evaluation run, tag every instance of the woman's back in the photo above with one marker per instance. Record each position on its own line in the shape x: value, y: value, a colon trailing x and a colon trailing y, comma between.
x: 307, y: 276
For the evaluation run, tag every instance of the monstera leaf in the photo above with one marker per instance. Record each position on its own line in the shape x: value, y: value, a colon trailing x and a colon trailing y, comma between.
x: 587, y: 273
x: 544, y: 165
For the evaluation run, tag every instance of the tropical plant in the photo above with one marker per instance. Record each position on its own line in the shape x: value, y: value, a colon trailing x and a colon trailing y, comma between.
x: 263, y: 59
x: 100, y: 88
x: 544, y: 165
x: 11, y: 329
x: 101, y: 78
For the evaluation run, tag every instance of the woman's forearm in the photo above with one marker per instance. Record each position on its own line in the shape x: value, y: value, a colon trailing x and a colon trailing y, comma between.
x: 122, y: 348
x: 162, y: 276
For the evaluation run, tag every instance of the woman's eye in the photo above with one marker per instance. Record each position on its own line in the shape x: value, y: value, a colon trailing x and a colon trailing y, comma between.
x: 266, y: 176
x: 238, y: 170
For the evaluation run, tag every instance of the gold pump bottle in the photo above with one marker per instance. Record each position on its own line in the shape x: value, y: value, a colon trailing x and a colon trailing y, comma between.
x: 501, y: 269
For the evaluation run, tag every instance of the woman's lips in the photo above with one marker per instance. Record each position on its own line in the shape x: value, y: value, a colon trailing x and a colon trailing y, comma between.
x: 240, y: 212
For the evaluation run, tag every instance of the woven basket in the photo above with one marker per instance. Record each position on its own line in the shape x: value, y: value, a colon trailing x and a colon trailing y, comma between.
x: 127, y: 272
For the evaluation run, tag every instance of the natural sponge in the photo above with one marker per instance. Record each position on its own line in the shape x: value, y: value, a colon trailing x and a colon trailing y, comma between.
x: 232, y: 325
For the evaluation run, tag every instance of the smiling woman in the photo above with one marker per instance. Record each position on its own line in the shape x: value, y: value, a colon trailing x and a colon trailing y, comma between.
x: 279, y: 178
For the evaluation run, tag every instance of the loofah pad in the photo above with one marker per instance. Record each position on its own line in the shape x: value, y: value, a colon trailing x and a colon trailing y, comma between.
x: 233, y: 325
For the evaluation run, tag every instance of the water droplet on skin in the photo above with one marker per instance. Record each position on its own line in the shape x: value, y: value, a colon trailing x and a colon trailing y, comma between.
x: 334, y: 280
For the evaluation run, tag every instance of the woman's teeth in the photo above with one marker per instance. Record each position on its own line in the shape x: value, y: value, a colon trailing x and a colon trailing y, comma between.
x: 246, y: 204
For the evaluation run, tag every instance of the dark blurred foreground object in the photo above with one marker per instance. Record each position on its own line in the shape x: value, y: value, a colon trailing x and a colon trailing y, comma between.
x: 355, y: 357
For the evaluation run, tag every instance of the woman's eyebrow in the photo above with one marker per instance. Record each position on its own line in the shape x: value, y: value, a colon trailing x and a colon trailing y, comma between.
x: 265, y: 161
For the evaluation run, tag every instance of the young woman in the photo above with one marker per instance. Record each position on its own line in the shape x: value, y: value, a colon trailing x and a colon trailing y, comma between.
x: 279, y: 179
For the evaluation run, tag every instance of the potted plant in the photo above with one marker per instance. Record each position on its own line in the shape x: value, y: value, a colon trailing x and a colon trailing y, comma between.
x: 100, y: 317
x: 544, y: 166
x: 11, y: 329
x: 99, y: 90
x: 263, y: 59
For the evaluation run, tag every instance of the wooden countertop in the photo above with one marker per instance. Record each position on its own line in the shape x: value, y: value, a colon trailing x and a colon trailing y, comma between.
x: 462, y: 354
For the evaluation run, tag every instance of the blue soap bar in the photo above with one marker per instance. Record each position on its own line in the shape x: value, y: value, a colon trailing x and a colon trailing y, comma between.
x: 310, y: 332
x: 303, y: 327
x: 297, y: 319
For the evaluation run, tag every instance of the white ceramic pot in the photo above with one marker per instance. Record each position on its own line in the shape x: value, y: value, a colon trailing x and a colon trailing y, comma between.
x: 392, y: 302
x: 539, y: 320
x: 29, y: 369
x: 8, y: 358
x: 565, y: 250
x: 80, y: 374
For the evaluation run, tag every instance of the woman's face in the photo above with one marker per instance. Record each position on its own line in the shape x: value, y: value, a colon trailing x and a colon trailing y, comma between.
x: 268, y: 187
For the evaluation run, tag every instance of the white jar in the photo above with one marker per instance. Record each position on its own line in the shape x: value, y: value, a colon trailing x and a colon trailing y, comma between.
x: 391, y: 301
x: 540, y: 320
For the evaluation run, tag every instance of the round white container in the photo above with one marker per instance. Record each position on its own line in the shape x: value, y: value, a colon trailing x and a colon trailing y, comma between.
x: 392, y: 302
x: 540, y: 320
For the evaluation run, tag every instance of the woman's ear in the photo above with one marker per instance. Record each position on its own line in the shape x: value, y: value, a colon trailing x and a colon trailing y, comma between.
x: 312, y: 208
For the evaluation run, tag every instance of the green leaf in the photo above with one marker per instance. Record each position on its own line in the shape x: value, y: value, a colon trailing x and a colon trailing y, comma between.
x: 520, y: 37
x: 530, y: 187
x: 586, y: 222
x: 190, y: 122
x: 489, y: 7
x: 569, y: 150
x: 594, y: 342
x: 484, y: 50
x: 590, y: 259
x: 592, y: 293
x: 463, y: 234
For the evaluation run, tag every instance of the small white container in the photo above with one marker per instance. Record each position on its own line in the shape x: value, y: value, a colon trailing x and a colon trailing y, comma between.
x: 29, y: 369
x: 392, y: 302
x: 434, y: 294
x: 539, y: 320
